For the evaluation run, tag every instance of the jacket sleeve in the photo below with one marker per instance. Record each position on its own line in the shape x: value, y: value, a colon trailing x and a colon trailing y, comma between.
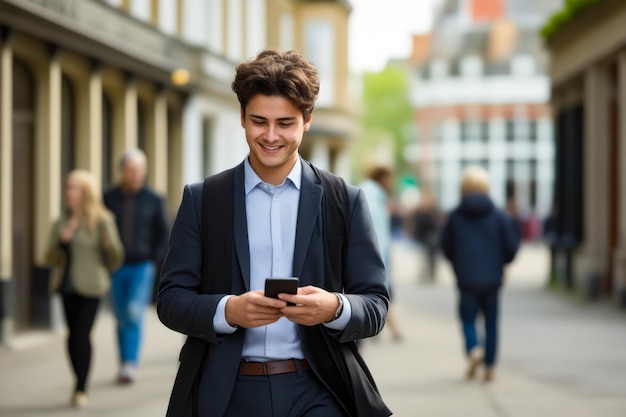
x: 180, y: 305
x: 510, y: 238
x: 112, y: 248
x: 162, y: 229
x: 364, y: 277
x: 447, y: 240
x: 54, y: 254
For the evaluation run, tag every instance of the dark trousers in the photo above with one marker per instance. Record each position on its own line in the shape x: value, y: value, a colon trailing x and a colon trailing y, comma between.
x: 484, y: 300
x: 80, y: 314
x: 297, y: 394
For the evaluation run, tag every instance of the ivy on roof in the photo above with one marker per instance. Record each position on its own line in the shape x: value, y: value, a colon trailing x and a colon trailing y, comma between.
x: 571, y: 10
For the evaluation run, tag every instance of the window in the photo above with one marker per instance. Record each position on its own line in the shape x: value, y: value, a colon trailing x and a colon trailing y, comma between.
x: 523, y: 66
x: 286, y: 32
x: 472, y: 130
x: 141, y: 9
x: 532, y: 131
x: 510, y: 130
x: 234, y: 38
x: 471, y: 66
x: 167, y: 16
x: 255, y: 26
x: 320, y: 49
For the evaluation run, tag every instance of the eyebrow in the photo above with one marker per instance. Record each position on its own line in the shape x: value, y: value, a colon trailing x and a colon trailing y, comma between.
x: 280, y: 119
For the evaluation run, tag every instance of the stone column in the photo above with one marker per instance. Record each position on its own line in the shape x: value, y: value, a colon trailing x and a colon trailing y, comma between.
x: 175, y: 159
x: 593, y: 255
x: 157, y: 165
x: 544, y: 152
x: 319, y: 153
x: 343, y: 164
x: 6, y: 181
x: 620, y: 256
x: 497, y: 160
x: 6, y: 156
x: 48, y: 181
x: 125, y: 135
x: 89, y: 111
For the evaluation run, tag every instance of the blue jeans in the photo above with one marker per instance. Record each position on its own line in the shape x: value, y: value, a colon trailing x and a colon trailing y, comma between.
x: 485, y: 300
x: 131, y: 288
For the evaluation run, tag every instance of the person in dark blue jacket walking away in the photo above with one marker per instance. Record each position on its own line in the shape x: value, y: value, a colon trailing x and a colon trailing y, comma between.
x: 479, y: 240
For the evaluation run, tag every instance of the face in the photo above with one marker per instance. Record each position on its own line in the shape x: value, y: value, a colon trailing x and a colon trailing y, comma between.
x: 133, y: 174
x: 274, y: 129
x: 73, y: 195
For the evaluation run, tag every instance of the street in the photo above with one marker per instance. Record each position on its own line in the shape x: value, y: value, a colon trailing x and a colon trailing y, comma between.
x: 560, y: 355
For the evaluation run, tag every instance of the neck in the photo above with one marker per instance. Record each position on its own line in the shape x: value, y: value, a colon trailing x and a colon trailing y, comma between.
x: 271, y: 175
x: 129, y: 190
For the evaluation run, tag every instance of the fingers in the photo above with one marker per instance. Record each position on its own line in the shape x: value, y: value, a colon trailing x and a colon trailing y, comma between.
x: 313, y: 306
x: 252, y: 309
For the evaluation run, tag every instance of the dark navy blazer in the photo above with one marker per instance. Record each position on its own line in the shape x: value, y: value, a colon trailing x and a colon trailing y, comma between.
x: 182, y: 307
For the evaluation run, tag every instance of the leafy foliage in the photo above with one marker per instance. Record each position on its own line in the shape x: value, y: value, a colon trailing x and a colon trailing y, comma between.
x: 386, y: 112
x: 571, y: 10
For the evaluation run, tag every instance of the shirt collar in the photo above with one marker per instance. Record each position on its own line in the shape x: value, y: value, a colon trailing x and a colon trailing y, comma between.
x: 251, y: 179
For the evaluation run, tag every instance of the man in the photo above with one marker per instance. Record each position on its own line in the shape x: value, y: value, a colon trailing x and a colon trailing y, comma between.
x: 251, y: 355
x: 479, y: 240
x: 142, y: 222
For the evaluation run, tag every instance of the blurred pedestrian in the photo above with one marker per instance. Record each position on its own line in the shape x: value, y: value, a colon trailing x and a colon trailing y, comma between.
x: 143, y: 226
x: 377, y: 187
x: 516, y: 219
x: 479, y: 240
x: 84, y: 247
x: 550, y: 237
x: 426, y: 232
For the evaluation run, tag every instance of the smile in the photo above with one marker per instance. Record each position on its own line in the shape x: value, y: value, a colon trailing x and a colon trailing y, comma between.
x: 271, y: 148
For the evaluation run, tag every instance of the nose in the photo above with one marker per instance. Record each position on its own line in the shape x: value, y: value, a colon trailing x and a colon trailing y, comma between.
x: 272, y: 134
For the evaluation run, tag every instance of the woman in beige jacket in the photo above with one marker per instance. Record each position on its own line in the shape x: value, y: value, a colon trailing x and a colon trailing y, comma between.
x: 84, y: 249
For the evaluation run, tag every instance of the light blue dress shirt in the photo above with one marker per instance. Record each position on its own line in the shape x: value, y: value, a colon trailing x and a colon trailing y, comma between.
x: 272, y: 215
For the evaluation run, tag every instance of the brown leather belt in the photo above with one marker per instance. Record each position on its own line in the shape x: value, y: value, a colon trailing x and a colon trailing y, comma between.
x: 273, y: 367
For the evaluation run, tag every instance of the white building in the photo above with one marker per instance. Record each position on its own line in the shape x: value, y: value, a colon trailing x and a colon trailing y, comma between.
x: 481, y: 97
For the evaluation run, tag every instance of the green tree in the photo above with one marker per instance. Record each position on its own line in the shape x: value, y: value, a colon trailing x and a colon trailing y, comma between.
x: 386, y: 117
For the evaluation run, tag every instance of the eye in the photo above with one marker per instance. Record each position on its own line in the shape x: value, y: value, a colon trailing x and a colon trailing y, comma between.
x: 285, y: 124
x: 258, y: 122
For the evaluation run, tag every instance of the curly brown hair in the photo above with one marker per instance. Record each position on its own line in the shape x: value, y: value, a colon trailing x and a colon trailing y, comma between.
x: 277, y: 73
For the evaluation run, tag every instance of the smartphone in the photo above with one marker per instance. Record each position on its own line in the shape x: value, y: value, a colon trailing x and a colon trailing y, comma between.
x: 275, y: 286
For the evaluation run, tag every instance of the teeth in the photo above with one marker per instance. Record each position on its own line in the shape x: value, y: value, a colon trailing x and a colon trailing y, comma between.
x: 273, y: 148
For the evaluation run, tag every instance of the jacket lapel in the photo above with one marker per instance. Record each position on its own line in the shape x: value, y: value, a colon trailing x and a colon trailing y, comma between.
x: 308, y: 216
x: 242, y: 248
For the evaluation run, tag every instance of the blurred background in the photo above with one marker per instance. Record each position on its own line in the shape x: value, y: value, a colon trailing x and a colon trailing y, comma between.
x: 534, y: 91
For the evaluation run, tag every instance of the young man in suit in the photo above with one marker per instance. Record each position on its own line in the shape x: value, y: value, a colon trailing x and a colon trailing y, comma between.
x: 247, y: 354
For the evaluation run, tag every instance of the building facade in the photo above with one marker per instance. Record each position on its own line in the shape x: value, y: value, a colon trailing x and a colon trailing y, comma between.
x: 83, y: 80
x: 588, y: 74
x: 481, y: 97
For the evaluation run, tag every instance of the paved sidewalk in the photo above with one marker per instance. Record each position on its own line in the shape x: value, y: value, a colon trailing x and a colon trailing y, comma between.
x: 36, y: 380
x: 560, y: 356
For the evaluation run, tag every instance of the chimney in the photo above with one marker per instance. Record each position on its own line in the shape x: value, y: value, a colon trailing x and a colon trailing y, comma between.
x: 486, y: 10
x: 421, y: 49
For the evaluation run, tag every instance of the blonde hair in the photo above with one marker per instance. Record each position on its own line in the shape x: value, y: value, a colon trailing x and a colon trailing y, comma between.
x: 92, y: 208
x: 475, y: 180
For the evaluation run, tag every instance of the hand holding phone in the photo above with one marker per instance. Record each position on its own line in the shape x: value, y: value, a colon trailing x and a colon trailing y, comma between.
x: 275, y: 286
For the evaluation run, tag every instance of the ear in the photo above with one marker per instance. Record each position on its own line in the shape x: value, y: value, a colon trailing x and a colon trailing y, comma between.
x: 307, y: 122
x: 242, y: 115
